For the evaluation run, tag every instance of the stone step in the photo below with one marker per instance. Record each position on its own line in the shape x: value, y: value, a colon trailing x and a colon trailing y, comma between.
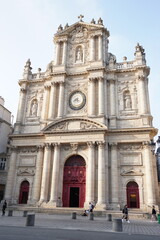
x: 133, y: 214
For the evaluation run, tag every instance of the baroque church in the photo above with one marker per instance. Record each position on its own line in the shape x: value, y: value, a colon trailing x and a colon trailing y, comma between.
x: 84, y: 127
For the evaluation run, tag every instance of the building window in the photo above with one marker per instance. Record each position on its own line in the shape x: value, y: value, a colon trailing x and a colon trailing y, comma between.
x: 2, y: 163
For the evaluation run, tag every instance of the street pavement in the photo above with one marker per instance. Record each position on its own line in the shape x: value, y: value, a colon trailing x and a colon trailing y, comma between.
x: 99, y: 224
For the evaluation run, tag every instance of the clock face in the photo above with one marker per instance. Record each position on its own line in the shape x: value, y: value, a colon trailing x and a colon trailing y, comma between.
x: 77, y: 100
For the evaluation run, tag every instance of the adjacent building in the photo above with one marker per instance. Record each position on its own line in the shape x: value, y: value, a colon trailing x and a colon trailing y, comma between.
x: 5, y: 130
x: 84, y: 127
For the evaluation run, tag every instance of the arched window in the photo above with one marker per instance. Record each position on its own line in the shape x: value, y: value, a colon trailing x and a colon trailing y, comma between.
x: 2, y: 187
x: 132, y: 195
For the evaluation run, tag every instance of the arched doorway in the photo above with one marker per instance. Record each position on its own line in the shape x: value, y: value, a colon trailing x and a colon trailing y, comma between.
x: 132, y: 195
x: 74, y: 182
x: 24, y: 191
x: 2, y: 187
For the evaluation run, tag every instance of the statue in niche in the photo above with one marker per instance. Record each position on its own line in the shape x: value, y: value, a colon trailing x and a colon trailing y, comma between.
x: 79, y: 54
x: 127, y: 101
x: 34, y: 108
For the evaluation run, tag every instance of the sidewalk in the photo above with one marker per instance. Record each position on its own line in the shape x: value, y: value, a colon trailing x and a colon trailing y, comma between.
x: 81, y: 223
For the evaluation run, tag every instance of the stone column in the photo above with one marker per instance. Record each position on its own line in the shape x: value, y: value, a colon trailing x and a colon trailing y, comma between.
x: 114, y: 175
x: 101, y: 176
x: 90, y: 196
x: 57, y: 53
x: 11, y: 176
x: 21, y: 105
x: 45, y: 173
x: 38, y: 175
x: 142, y: 95
x: 100, y: 96
x: 52, y: 105
x: 55, y: 176
x: 45, y: 102
x: 100, y: 47
x: 147, y: 158
x: 91, y: 99
x: 61, y: 100
x: 92, y: 53
x: 64, y: 52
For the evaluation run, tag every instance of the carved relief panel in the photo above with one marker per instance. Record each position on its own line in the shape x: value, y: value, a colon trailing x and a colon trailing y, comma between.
x: 127, y: 97
x: 78, y: 46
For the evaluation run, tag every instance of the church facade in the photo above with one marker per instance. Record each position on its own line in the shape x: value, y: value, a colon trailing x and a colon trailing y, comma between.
x: 84, y: 127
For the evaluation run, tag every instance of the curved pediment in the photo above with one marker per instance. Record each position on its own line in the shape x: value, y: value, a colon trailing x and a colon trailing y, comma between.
x: 76, y: 124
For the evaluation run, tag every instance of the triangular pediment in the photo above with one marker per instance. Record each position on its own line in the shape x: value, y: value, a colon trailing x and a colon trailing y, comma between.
x: 77, y: 28
x: 73, y: 125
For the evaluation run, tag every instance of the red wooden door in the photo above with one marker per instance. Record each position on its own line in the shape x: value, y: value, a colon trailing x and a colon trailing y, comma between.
x: 24, y: 190
x: 132, y: 195
x: 74, y: 181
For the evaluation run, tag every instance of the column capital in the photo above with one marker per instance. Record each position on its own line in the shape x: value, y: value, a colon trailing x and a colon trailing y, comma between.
x: 90, y: 144
x: 101, y: 144
x: 55, y: 144
x: 47, y: 145
x: 23, y: 90
x: 100, y: 78
x: 14, y: 149
x: 145, y: 144
x: 53, y: 84
x: 113, y: 144
x: 141, y: 77
x: 92, y: 79
x: 46, y: 86
x: 40, y: 147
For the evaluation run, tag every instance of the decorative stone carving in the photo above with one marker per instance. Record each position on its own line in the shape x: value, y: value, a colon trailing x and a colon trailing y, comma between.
x: 130, y: 147
x: 84, y: 125
x: 26, y: 172
x: 131, y: 172
x: 60, y: 126
x: 74, y: 146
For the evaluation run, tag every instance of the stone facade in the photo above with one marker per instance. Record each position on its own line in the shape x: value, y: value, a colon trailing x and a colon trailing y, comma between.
x: 89, y: 106
x: 5, y: 130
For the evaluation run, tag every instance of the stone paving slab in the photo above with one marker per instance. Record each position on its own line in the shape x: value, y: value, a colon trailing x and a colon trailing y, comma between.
x: 145, y: 227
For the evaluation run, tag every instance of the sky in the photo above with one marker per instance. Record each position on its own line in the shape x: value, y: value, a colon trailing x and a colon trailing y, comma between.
x: 27, y: 29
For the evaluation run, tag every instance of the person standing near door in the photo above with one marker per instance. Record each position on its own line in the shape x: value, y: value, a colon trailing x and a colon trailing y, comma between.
x: 4, y: 206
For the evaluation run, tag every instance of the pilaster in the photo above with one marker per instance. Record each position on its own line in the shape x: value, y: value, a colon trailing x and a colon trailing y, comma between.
x: 55, y: 177
x: 11, y: 175
x: 101, y: 203
x: 114, y: 176
x: 61, y: 100
x: 45, y: 173
x: 90, y: 196
x: 38, y: 174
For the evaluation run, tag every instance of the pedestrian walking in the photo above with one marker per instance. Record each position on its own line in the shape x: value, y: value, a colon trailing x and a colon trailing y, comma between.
x: 4, y: 206
x: 154, y: 216
x: 125, y: 214
x: 91, y: 207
